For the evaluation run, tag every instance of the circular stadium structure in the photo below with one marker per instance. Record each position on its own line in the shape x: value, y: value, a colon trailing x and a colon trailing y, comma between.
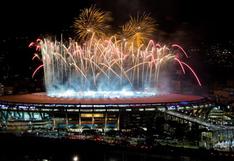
x: 102, y: 81
x: 40, y: 110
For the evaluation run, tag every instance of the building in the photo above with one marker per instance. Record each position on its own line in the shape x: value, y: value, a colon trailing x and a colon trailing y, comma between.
x: 124, y: 113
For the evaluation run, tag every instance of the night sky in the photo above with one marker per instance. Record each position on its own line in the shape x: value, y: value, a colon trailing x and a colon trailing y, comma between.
x: 187, y: 22
x: 203, y: 19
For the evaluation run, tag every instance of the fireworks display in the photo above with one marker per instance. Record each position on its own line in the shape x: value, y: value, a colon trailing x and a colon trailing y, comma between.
x: 139, y: 29
x: 106, y: 66
x: 90, y: 21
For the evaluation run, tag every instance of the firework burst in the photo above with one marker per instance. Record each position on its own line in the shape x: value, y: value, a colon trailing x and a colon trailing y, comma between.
x: 92, y: 21
x: 139, y: 29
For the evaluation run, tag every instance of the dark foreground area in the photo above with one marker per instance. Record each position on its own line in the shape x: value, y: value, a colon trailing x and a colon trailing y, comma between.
x: 29, y: 148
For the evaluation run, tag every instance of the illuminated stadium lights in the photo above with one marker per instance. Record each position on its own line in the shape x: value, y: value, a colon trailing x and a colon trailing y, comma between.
x: 123, y: 105
x: 99, y: 110
x: 95, y: 113
x: 45, y: 109
x: 187, y: 107
x: 86, y: 110
x: 162, y: 108
x: 195, y: 106
x: 3, y: 106
x: 72, y: 110
x: 149, y: 109
x: 171, y: 107
x: 86, y: 105
x: 86, y: 115
x: 23, y: 107
x: 112, y: 109
x: 112, y: 105
x: 180, y: 108
x: 98, y: 106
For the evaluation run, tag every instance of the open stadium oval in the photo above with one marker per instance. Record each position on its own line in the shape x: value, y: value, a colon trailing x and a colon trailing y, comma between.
x: 119, y: 113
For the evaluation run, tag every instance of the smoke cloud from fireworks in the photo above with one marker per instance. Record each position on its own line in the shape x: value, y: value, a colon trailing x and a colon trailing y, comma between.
x: 107, y: 66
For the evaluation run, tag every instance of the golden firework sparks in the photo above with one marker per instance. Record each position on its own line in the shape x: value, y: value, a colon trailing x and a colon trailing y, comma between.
x: 92, y: 21
x: 139, y: 29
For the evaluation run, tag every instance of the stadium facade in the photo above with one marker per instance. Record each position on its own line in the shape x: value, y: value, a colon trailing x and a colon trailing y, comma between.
x: 38, y: 110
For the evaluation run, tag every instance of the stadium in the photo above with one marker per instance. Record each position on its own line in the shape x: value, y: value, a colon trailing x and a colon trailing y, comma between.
x: 102, y: 82
x: 39, y: 110
x: 115, y: 87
